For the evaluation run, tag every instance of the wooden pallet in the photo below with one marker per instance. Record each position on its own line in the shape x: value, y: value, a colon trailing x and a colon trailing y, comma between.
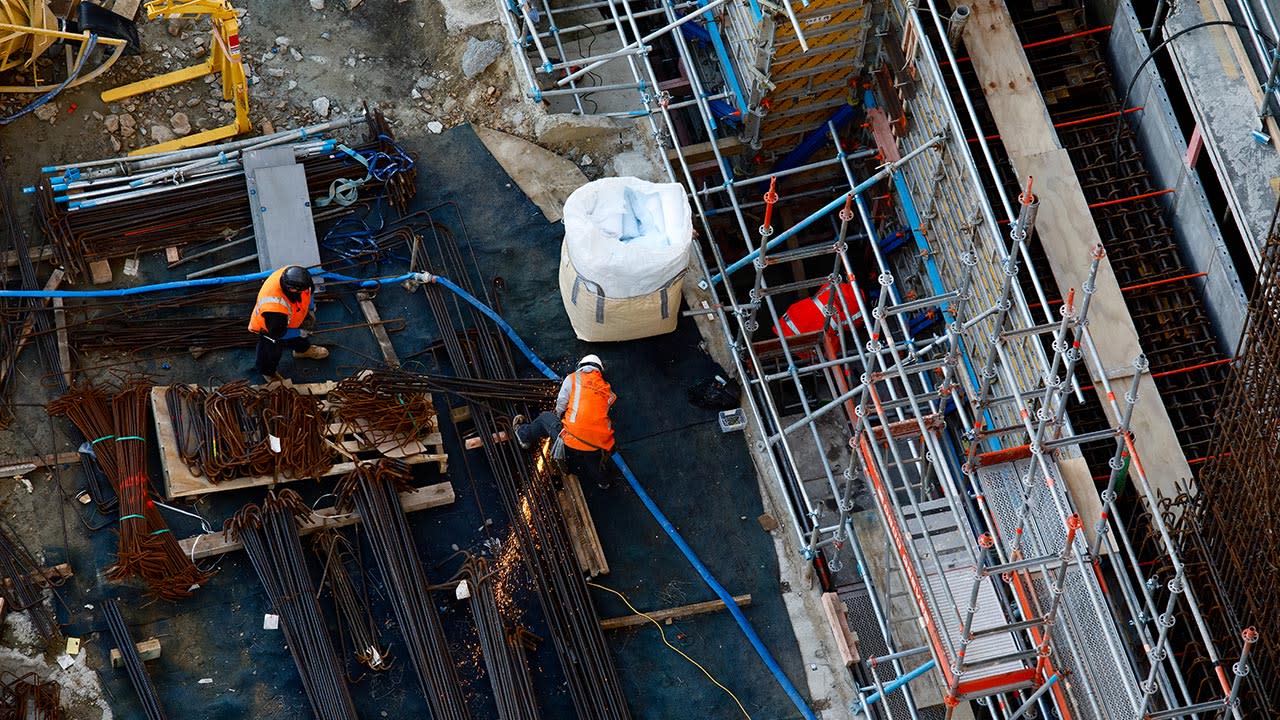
x: 179, y: 481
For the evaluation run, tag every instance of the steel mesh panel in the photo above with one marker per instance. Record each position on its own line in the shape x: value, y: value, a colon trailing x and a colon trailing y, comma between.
x: 862, y: 620
x: 1097, y: 672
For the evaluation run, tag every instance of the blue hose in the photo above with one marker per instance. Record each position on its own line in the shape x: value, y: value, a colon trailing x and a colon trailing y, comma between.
x: 187, y: 284
x: 654, y: 510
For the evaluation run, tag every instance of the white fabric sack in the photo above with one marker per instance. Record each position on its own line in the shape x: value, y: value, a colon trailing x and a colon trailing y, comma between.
x: 628, y: 236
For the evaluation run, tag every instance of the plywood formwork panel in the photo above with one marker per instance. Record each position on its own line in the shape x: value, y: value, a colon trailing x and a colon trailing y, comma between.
x: 1065, y: 226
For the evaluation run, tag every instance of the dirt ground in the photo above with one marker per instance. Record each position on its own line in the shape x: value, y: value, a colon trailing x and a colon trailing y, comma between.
x: 305, y: 64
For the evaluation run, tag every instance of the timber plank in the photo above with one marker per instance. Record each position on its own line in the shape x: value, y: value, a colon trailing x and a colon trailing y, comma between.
x: 215, y: 543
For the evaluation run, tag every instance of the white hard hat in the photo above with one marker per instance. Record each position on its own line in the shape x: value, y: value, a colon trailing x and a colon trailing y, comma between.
x: 591, y: 360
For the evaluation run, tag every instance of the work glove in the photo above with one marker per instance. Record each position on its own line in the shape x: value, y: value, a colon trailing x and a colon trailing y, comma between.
x: 309, y: 322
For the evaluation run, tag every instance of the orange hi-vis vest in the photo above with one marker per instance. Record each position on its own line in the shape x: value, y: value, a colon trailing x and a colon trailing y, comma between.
x: 809, y: 315
x: 586, y: 424
x: 271, y: 298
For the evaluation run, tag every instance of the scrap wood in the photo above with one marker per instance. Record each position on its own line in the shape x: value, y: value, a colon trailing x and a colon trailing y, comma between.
x: 26, y: 465
x: 216, y: 543
x: 671, y: 614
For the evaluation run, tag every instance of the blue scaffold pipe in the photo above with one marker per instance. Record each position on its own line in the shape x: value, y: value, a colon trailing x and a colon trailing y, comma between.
x: 651, y: 506
x: 874, y: 697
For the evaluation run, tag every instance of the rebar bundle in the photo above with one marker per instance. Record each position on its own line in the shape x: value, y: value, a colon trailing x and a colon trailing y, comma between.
x: 118, y: 427
x: 22, y: 584
x: 503, y: 650
x: 138, y: 675
x: 357, y: 630
x: 528, y: 496
x: 27, y: 697
x: 374, y: 490
x: 1238, y: 508
x: 270, y: 537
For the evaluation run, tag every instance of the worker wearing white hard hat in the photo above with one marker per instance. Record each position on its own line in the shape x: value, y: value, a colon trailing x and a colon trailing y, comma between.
x: 580, y: 425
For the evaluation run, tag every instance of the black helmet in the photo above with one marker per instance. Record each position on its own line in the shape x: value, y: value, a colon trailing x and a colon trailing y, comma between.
x: 296, y: 280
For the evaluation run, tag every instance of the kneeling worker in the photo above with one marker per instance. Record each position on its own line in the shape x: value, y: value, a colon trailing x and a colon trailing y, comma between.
x: 580, y: 423
x: 284, y: 304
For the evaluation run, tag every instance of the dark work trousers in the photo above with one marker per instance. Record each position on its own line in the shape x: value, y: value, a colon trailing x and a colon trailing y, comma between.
x: 267, y: 358
x: 588, y: 465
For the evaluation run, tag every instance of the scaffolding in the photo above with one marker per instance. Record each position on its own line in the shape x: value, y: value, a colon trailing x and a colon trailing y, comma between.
x: 948, y: 393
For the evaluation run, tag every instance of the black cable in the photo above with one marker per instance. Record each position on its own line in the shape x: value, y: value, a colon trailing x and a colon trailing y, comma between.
x: 1151, y: 56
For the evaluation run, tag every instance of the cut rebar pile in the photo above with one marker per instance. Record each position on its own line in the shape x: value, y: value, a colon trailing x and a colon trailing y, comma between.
x: 374, y: 490
x: 382, y: 417
x: 27, y: 697
x: 270, y: 537
x: 22, y: 585
x: 132, y: 661
x: 226, y: 433
x: 356, y: 627
x: 504, y: 659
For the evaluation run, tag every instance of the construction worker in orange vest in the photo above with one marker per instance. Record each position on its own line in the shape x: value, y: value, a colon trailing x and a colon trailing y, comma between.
x: 580, y: 424
x: 809, y: 315
x: 284, y: 305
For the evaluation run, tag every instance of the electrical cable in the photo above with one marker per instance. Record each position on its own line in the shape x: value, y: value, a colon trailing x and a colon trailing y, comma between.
x: 1151, y: 56
x: 90, y: 44
x: 666, y: 642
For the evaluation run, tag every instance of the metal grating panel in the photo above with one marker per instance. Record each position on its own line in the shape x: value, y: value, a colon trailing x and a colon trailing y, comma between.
x: 1084, y: 615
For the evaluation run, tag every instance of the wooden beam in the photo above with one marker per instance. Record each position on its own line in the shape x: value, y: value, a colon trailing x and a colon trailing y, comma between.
x: 475, y: 442
x: 44, y: 252
x: 671, y: 614
x: 64, y: 350
x: 60, y: 571
x: 148, y: 649
x: 203, y: 546
x: 582, y: 528
x: 846, y: 640
x: 26, y: 465
x: 379, y: 331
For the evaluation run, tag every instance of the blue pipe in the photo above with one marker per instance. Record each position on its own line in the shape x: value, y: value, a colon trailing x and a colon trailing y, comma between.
x: 897, y: 683
x: 787, y: 234
x: 654, y: 510
x: 187, y: 284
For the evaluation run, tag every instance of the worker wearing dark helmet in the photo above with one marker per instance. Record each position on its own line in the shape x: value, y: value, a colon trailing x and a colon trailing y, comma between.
x: 580, y: 425
x: 284, y: 304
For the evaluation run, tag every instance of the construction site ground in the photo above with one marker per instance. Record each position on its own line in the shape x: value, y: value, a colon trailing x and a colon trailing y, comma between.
x: 217, y: 660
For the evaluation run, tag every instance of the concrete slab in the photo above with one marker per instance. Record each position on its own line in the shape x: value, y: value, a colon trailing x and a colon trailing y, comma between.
x: 1223, y: 93
x: 1065, y: 227
x: 545, y: 177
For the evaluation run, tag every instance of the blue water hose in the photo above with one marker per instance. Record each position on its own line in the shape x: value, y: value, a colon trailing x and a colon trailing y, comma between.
x: 188, y: 284
x: 654, y: 510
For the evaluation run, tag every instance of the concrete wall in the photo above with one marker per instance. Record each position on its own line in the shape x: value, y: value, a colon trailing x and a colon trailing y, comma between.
x: 1163, y: 144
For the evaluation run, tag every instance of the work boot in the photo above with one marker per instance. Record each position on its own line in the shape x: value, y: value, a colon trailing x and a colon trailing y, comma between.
x: 516, y: 423
x: 274, y: 377
x: 315, y: 352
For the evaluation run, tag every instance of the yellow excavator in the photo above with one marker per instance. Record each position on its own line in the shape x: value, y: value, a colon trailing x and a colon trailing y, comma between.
x: 224, y: 59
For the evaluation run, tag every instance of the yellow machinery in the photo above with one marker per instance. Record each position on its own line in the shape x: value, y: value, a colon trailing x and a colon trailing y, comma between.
x: 29, y: 27
x: 224, y: 59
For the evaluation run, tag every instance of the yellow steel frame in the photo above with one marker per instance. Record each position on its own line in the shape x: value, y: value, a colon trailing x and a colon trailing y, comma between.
x: 224, y: 59
x: 14, y: 31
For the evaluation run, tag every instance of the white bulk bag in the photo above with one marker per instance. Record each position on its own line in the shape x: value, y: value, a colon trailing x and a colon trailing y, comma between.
x: 625, y: 252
